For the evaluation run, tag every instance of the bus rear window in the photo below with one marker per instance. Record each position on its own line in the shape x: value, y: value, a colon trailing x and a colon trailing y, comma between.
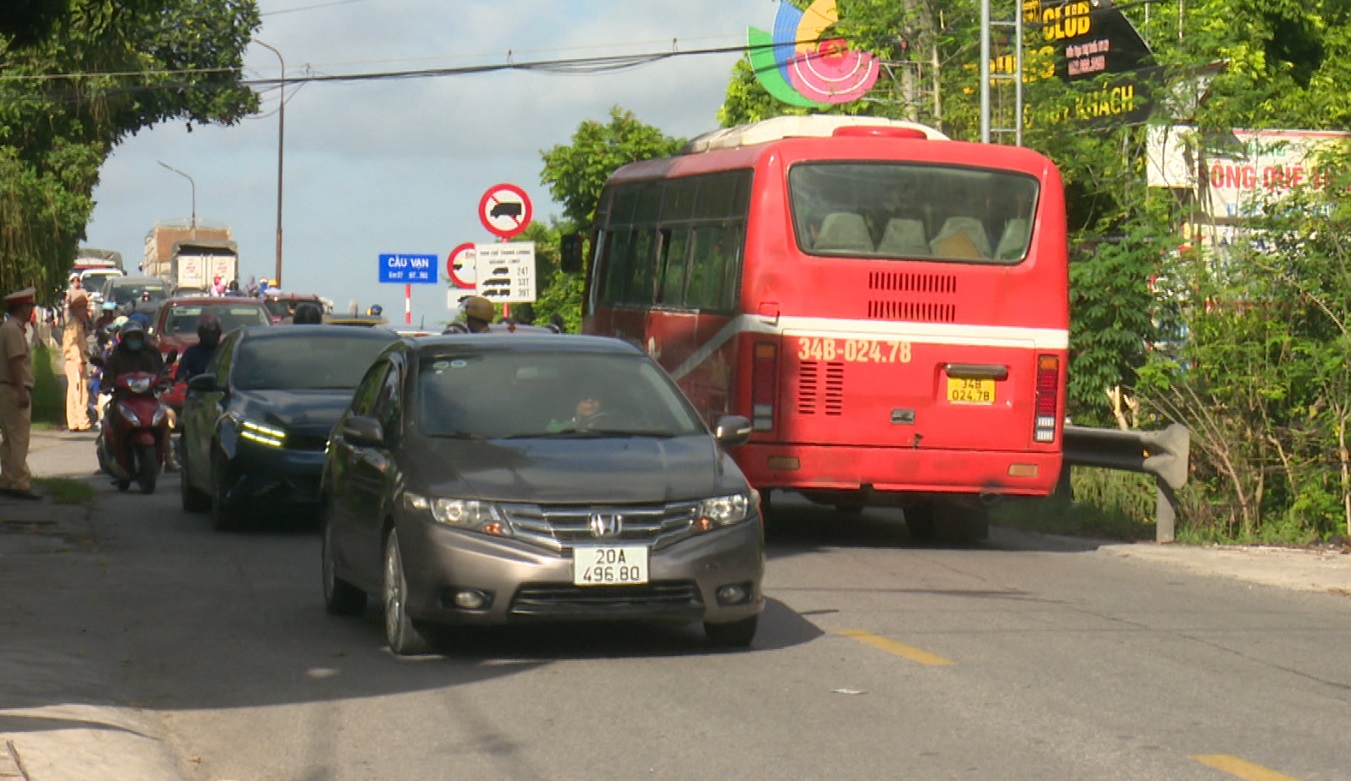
x: 907, y: 212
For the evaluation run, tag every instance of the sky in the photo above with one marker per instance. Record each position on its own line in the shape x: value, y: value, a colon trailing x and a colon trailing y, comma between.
x: 400, y: 165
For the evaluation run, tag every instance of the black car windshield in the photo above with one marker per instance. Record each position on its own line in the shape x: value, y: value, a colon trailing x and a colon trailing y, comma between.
x: 307, y: 360
x: 518, y: 394
x: 182, y: 318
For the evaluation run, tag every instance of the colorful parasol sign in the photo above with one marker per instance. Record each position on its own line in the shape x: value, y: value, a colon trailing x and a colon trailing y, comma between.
x: 796, y: 65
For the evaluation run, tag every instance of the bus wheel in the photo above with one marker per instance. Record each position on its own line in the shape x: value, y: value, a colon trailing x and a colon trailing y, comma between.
x: 965, y: 522
x: 919, y: 520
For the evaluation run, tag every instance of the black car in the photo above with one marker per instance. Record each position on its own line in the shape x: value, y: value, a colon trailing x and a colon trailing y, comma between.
x: 255, y: 425
x: 510, y: 477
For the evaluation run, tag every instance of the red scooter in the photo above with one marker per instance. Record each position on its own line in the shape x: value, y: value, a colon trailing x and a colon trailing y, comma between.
x: 134, y: 431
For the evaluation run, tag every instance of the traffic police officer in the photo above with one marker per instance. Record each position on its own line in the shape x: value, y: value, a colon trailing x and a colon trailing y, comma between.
x: 16, y: 395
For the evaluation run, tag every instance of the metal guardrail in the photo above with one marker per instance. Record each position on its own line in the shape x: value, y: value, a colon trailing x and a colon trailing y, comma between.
x: 1163, y: 454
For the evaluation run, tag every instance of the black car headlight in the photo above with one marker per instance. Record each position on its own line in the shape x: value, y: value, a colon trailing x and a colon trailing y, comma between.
x: 470, y: 514
x: 721, y: 511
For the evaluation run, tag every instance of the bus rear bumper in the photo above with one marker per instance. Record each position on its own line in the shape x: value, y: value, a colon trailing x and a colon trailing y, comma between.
x: 843, y: 468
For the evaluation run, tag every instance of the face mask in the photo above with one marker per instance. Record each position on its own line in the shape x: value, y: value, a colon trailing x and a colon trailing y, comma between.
x: 210, y: 340
x: 135, y: 344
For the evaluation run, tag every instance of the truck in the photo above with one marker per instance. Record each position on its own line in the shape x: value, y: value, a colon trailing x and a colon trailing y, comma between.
x: 189, y: 258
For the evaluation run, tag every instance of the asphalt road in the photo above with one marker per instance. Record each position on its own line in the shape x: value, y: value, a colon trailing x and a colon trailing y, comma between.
x: 1023, y: 658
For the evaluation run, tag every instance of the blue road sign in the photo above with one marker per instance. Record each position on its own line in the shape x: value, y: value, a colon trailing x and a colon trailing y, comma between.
x: 408, y: 269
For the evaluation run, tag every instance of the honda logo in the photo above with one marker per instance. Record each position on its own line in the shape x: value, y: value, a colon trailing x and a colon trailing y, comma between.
x: 604, y: 525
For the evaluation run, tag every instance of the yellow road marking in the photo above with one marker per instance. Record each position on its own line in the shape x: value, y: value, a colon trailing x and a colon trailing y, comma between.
x: 900, y: 649
x: 1240, y: 768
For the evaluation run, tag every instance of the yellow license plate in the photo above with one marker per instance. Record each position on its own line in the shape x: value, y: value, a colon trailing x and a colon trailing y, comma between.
x: 962, y: 390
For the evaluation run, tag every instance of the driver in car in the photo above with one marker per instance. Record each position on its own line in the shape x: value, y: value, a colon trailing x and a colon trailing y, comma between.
x: 586, y: 412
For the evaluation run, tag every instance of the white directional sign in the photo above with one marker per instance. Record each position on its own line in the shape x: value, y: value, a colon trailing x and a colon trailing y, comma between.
x: 505, y: 273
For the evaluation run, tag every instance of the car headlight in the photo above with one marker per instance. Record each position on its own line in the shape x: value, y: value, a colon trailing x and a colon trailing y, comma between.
x: 270, y: 436
x: 723, y: 511
x: 470, y: 514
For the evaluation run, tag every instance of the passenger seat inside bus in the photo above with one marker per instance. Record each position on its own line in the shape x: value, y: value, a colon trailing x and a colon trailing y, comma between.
x: 962, y: 237
x: 904, y: 237
x: 1013, y: 242
x: 844, y: 231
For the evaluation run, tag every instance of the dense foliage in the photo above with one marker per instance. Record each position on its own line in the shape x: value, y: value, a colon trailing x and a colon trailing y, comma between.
x: 77, y: 77
x: 575, y: 174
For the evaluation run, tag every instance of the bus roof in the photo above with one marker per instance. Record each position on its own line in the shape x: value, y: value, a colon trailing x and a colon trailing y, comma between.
x: 812, y: 126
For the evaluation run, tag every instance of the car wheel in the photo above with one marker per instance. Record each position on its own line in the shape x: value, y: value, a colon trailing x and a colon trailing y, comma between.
x: 340, y: 597
x: 194, y: 501
x: 736, y: 634
x: 222, y: 517
x: 404, y: 637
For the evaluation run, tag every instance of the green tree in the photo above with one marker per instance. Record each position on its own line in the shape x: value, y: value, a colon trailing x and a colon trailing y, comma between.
x: 79, y: 76
x: 575, y: 174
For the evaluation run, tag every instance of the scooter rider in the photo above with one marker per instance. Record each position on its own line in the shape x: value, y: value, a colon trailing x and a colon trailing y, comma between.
x: 196, y: 358
x: 134, y: 354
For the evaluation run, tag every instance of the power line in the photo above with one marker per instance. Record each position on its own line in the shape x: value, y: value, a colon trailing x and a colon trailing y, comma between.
x: 565, y: 66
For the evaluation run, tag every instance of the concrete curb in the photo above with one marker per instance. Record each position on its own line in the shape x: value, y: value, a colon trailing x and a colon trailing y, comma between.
x: 57, y: 722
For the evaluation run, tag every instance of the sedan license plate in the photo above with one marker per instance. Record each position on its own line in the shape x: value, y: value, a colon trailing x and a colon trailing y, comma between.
x: 965, y: 390
x: 609, y: 565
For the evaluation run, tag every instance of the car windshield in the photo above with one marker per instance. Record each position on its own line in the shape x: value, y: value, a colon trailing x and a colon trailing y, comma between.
x: 125, y: 294
x: 181, y: 320
x: 301, y: 359
x: 518, y: 394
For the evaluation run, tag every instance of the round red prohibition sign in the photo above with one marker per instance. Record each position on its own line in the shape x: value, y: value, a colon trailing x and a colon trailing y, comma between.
x: 462, y: 255
x: 505, y: 210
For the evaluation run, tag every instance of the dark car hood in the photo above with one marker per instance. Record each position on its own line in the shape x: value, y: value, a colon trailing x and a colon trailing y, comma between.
x: 313, y: 411
x: 631, y: 470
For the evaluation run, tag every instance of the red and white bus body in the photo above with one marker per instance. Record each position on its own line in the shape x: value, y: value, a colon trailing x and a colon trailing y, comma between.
x: 872, y: 376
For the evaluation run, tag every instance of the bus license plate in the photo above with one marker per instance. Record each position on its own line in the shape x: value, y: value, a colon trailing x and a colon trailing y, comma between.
x: 609, y: 565
x: 963, y: 390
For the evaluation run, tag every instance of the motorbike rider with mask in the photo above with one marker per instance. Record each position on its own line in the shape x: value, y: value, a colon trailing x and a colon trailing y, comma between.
x: 134, y: 353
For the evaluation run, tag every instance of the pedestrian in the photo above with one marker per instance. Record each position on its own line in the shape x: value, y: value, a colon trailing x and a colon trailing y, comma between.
x: 16, y: 394
x: 75, y: 354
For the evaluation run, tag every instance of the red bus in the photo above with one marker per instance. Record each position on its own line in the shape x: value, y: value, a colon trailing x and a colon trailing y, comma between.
x: 888, y: 307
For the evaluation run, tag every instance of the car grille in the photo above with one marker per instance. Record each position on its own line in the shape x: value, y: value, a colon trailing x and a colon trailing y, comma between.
x: 315, y: 442
x: 542, y: 599
x: 560, y: 527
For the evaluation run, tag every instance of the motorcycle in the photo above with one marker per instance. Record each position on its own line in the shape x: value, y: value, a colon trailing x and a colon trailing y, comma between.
x: 134, y: 431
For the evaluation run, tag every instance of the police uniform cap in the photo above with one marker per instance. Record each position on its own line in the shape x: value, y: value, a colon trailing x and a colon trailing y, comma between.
x: 19, y: 297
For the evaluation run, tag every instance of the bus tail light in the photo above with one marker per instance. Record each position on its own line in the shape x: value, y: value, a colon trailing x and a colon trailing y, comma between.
x: 1048, y: 398
x: 764, y: 386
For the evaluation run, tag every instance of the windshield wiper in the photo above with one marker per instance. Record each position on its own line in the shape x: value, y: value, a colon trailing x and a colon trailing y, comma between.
x: 456, y: 435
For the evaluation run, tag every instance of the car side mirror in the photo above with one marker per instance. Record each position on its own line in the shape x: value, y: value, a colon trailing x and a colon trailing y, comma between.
x: 732, y: 430
x: 202, y: 382
x: 362, y: 431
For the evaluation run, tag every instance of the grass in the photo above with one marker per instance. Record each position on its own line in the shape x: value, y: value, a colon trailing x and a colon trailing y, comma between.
x: 1110, y: 504
x: 64, y: 490
x: 49, y: 399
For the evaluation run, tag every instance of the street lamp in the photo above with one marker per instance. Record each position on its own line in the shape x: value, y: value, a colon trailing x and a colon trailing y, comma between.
x: 281, y: 146
x: 194, y: 194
